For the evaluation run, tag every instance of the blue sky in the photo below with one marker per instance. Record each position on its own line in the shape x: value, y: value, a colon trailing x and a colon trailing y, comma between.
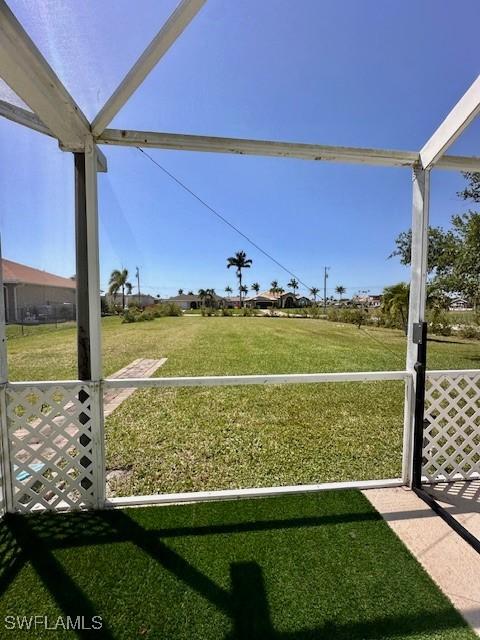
x: 378, y: 74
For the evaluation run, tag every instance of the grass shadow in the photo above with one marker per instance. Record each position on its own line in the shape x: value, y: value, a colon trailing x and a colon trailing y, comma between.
x: 33, y: 539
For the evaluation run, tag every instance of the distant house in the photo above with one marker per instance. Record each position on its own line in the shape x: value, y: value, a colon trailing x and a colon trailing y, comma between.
x: 32, y: 295
x: 459, y: 304
x: 188, y: 301
x: 266, y: 299
x: 367, y: 300
x: 141, y: 300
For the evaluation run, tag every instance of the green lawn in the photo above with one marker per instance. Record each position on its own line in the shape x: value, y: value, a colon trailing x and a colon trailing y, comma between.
x: 208, y: 346
x: 211, y: 438
x: 293, y: 568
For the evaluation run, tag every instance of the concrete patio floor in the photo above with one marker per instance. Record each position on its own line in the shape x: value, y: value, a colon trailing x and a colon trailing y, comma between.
x: 449, y: 560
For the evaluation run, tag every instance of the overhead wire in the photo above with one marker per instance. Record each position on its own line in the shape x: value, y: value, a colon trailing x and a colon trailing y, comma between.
x: 223, y: 218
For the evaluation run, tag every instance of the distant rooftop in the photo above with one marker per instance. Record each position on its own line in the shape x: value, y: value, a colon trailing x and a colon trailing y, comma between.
x: 16, y: 273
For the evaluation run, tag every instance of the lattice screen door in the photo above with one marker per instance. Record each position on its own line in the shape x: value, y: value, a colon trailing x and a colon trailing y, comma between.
x: 451, y: 445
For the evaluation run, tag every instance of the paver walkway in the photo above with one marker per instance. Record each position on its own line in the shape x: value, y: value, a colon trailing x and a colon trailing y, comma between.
x: 140, y: 368
x: 448, y: 559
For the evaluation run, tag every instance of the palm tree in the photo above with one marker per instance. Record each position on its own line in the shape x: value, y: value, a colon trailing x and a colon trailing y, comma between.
x: 202, y: 294
x: 395, y: 302
x: 274, y: 288
x: 244, y: 289
x: 228, y: 289
x: 239, y: 261
x: 210, y: 296
x: 293, y: 284
x: 340, y: 290
x: 180, y: 292
x: 255, y: 287
x: 119, y: 280
x: 314, y: 292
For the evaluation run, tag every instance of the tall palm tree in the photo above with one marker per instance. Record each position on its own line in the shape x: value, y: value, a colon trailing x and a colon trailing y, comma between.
x: 274, y: 288
x: 239, y: 261
x: 395, y: 302
x: 255, y: 287
x: 244, y: 289
x: 340, y: 290
x: 210, y: 296
x: 119, y: 280
x: 293, y: 284
x: 202, y: 294
x: 314, y: 291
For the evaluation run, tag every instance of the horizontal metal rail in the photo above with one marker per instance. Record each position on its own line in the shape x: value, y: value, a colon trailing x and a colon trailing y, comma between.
x: 46, y: 384
x: 218, y: 381
x: 289, y: 378
x: 259, y: 492
x: 275, y: 148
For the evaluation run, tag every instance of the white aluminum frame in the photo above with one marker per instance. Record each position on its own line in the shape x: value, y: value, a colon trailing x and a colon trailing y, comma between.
x: 165, y: 38
x: 462, y: 114
x: 5, y: 479
x: 257, y: 492
x: 56, y: 114
x: 286, y: 378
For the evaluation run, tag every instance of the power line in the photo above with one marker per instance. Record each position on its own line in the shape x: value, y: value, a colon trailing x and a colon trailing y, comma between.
x: 222, y: 218
x: 382, y: 344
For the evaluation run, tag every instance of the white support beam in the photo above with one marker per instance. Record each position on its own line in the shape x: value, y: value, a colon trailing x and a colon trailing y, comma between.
x: 462, y: 114
x: 458, y: 163
x: 417, y: 302
x: 94, y: 319
x: 26, y: 71
x: 23, y: 117
x: 168, y: 34
x: 102, y: 164
x: 316, y: 152
x: 5, y: 467
x: 32, y: 121
x: 93, y: 260
x: 182, y: 142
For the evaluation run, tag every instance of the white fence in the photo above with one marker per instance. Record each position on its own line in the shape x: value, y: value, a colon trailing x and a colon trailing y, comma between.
x: 54, y: 445
x: 451, y: 448
x: 53, y: 440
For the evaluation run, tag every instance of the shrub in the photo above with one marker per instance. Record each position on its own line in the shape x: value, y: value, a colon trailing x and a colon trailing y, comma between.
x: 226, y: 312
x: 247, y: 312
x: 469, y: 331
x: 439, y: 323
x: 129, y: 316
x: 160, y: 310
x: 148, y: 314
x: 333, y: 315
x: 207, y: 311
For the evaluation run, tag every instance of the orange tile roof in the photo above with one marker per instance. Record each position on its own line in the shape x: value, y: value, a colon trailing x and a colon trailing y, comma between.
x: 22, y: 274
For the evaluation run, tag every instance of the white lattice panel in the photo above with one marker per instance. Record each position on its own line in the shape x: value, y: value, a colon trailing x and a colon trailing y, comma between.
x: 451, y: 446
x: 52, y: 462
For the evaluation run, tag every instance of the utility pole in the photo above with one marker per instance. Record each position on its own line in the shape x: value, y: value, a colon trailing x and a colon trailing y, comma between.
x: 137, y: 274
x: 325, y: 277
